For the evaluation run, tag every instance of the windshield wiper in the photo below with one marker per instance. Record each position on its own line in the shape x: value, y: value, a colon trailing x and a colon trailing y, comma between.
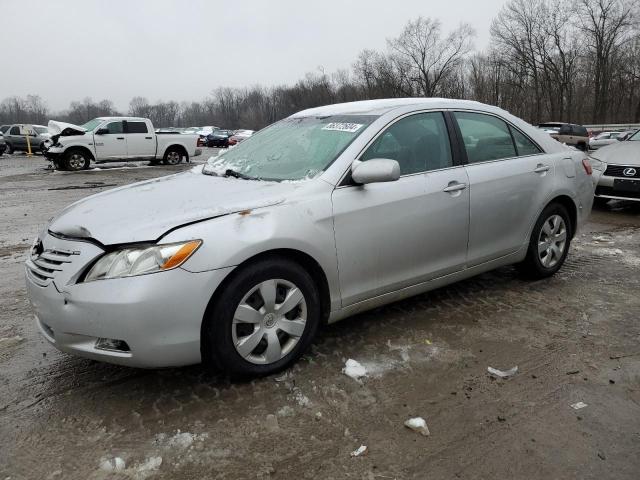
x: 233, y: 173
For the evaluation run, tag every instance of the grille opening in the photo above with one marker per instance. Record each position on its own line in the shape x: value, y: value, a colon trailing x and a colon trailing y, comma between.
x: 112, y: 345
x: 618, y: 171
x: 610, y: 192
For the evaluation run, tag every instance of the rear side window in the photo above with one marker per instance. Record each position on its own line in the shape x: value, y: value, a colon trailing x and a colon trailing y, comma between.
x: 114, y: 127
x: 136, y: 127
x: 419, y: 143
x: 485, y: 137
x: 523, y: 144
x: 14, y: 131
x: 580, y: 131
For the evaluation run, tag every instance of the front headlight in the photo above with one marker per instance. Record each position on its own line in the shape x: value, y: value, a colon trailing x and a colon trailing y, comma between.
x: 132, y: 261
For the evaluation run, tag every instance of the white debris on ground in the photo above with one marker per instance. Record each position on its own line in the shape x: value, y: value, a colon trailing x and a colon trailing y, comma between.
x: 301, y: 398
x: 578, y: 405
x: 180, y: 440
x: 403, y: 349
x: 354, y: 369
x: 503, y: 373
x: 362, y: 450
x: 285, y: 411
x: 143, y: 470
x: 418, y: 424
x: 7, y: 342
x: 271, y: 423
x: 115, y: 464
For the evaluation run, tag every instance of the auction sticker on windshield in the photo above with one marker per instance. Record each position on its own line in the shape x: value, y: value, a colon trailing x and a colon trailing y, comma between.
x: 343, y: 127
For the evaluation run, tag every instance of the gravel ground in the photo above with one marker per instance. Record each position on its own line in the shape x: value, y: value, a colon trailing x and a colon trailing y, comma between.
x: 574, y: 337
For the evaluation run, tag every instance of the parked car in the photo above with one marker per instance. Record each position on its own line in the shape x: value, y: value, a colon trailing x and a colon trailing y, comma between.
x: 219, y: 138
x: 16, y: 139
x: 3, y: 144
x: 568, y: 133
x: 625, y: 135
x: 109, y: 139
x: 603, y: 138
x: 239, y: 136
x: 621, y: 179
x: 330, y: 212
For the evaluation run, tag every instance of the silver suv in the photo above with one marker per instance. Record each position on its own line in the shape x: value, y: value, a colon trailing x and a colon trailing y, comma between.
x: 16, y: 139
x: 327, y: 213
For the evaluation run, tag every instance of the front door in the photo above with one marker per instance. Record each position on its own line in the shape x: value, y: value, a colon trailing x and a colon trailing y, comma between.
x: 111, y: 145
x: 393, y: 235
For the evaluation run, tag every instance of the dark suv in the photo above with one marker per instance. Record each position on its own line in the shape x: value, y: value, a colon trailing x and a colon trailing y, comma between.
x: 569, y: 133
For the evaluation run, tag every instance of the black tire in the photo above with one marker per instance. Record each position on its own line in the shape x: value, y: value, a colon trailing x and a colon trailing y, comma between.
x: 173, y: 156
x: 217, y: 344
x: 76, y: 160
x: 9, y: 149
x: 582, y: 146
x: 533, y: 267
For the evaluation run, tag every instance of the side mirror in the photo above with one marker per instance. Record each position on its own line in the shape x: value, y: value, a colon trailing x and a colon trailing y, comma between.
x: 102, y: 131
x: 375, y: 170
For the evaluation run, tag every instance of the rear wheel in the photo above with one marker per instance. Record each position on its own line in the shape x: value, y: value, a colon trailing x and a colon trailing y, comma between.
x: 549, y: 243
x: 173, y: 156
x: 76, y: 160
x: 9, y: 149
x: 263, y: 320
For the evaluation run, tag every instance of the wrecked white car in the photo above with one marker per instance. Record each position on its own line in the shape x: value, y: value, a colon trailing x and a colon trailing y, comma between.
x: 115, y: 139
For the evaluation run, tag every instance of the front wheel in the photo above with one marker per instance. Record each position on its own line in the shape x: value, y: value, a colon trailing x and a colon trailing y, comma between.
x: 263, y: 320
x: 76, y: 160
x: 549, y: 243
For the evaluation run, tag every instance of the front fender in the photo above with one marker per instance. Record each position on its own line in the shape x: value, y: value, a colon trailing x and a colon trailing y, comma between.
x: 230, y: 240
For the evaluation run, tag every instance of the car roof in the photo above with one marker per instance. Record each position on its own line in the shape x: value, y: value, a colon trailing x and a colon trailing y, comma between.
x: 122, y: 118
x: 382, y: 106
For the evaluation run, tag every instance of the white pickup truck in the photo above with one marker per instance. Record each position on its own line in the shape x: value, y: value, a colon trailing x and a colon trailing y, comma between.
x: 116, y: 139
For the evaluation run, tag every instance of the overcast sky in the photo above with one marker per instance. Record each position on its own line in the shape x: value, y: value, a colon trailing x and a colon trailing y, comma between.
x: 180, y: 50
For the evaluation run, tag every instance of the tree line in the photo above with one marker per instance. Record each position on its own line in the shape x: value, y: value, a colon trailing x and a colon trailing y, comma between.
x: 548, y: 60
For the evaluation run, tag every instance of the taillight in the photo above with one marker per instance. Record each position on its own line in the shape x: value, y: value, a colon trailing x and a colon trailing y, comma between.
x: 587, y: 166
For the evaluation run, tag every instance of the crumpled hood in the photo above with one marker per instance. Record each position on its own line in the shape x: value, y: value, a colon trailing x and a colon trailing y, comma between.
x: 620, y: 153
x: 145, y: 211
x: 63, y: 128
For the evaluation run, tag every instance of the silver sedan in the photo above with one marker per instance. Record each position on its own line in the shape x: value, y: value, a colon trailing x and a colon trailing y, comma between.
x: 327, y: 213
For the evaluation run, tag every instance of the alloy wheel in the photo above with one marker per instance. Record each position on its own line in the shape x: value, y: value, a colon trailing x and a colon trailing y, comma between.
x: 173, y: 158
x: 76, y: 161
x: 552, y: 241
x: 269, y: 321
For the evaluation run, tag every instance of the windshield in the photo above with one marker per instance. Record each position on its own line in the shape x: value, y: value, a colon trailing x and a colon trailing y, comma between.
x: 292, y: 149
x: 635, y: 137
x: 41, y: 129
x: 91, y: 124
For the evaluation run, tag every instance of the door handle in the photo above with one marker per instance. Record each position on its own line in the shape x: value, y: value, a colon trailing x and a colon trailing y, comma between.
x: 149, y: 138
x: 454, y: 187
x: 120, y: 138
x: 542, y: 168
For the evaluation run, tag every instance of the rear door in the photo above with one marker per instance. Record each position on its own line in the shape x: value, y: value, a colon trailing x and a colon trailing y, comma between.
x: 397, y: 234
x: 113, y: 144
x: 13, y: 136
x: 510, y: 179
x: 140, y: 141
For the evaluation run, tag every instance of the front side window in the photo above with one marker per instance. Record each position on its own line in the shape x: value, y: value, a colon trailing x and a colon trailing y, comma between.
x: 136, y: 127
x: 15, y: 131
x: 41, y: 130
x: 635, y: 137
x: 485, y: 137
x: 291, y: 149
x: 419, y: 143
x: 114, y: 127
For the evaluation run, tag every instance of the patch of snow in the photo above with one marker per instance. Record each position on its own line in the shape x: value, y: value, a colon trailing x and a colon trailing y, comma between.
x: 301, y: 398
x: 115, y: 464
x: 418, y: 424
x: 354, y: 369
x: 359, y: 451
x: 180, y: 440
x: 503, y: 373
